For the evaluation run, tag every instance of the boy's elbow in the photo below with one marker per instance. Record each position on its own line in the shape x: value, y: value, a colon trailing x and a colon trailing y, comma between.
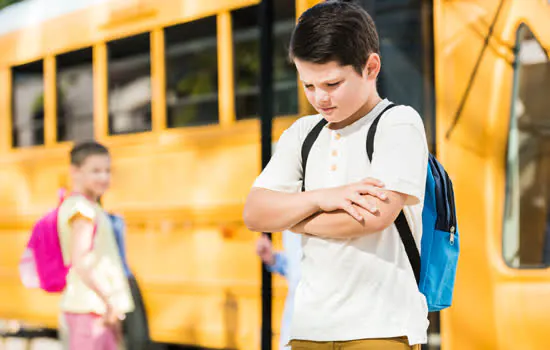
x: 377, y: 224
x: 81, y: 269
x: 82, y: 262
x: 380, y: 223
x: 250, y: 218
x: 252, y: 213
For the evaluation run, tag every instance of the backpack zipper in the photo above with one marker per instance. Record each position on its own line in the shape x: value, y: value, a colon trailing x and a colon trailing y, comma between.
x: 452, y: 237
x: 447, y: 220
x: 451, y: 201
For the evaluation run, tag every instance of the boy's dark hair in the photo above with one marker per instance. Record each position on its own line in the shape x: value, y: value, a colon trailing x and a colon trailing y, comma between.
x: 335, y: 30
x: 82, y: 151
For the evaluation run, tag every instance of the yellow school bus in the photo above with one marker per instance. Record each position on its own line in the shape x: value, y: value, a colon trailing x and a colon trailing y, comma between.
x: 172, y: 88
x: 493, y: 78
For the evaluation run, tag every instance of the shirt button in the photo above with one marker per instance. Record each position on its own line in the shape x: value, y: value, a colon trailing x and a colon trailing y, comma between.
x: 334, y: 153
x: 333, y: 167
x: 337, y: 136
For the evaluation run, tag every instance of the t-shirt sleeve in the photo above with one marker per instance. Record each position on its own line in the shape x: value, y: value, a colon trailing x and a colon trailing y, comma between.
x: 400, y: 156
x: 283, y: 173
x: 77, y: 207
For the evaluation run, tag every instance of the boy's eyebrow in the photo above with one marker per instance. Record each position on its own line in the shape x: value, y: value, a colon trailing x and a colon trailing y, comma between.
x: 326, y: 81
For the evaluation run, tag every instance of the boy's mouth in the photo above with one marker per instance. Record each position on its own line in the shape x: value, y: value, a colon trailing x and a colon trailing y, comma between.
x: 327, y: 110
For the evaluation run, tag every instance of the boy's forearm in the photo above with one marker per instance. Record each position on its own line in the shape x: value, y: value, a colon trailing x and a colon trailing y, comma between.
x: 340, y: 225
x: 272, y: 211
x: 84, y: 270
x: 336, y: 225
x: 82, y: 258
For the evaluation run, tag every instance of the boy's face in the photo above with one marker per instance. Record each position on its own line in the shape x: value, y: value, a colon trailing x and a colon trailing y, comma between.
x: 94, y: 175
x: 335, y: 91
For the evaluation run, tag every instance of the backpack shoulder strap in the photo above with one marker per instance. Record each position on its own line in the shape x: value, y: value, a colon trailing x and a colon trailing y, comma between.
x: 410, y: 246
x: 372, y: 131
x: 401, y: 222
x: 306, y: 147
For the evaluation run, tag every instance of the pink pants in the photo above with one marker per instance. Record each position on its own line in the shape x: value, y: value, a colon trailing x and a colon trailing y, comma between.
x: 87, y: 332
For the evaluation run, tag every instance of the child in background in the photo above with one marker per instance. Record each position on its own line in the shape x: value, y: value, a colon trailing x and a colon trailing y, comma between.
x: 97, y: 295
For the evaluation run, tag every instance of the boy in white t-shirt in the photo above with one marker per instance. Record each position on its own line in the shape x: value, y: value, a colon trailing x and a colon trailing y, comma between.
x: 357, y: 289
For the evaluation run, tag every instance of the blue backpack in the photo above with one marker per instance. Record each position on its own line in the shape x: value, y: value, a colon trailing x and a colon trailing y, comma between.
x: 435, y: 271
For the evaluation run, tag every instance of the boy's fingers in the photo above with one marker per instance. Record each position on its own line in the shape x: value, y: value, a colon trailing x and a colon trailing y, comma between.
x: 118, y: 331
x: 379, y: 194
x: 374, y: 182
x: 373, y: 205
x: 365, y: 203
x: 352, y: 211
x: 373, y: 191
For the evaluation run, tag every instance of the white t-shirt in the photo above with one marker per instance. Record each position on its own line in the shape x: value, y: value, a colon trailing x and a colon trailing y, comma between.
x: 364, y: 287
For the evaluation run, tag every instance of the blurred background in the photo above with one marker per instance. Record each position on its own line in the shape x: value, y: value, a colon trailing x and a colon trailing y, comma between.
x: 174, y: 89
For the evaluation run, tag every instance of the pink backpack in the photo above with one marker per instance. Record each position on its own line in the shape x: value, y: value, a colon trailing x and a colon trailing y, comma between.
x: 42, y: 265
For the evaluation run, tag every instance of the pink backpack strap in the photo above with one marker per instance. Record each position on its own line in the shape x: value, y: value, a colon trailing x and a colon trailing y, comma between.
x: 61, y: 195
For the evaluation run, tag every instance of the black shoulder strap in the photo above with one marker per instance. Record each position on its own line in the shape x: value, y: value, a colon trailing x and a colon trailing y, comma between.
x: 372, y: 131
x: 401, y: 221
x: 306, y: 147
x: 408, y: 241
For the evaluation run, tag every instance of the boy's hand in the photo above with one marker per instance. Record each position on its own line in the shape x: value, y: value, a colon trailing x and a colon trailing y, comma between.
x: 344, y: 197
x: 264, y: 249
x: 111, y: 317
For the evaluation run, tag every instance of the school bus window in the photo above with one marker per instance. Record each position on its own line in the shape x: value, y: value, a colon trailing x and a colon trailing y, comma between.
x: 75, y: 97
x: 247, y: 61
x: 192, y: 73
x: 406, y: 46
x: 526, y: 241
x: 28, y: 104
x: 129, y: 70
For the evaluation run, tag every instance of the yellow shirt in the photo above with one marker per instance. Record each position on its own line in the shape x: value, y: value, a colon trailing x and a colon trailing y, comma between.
x: 107, y: 265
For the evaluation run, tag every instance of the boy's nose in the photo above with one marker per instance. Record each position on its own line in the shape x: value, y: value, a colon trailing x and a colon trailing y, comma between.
x: 322, y: 99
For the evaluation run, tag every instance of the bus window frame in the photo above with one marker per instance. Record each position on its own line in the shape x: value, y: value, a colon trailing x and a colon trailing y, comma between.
x: 105, y: 118
x: 50, y: 114
x: 227, y: 120
x: 218, y: 45
x: 512, y: 118
x: 159, y: 122
x: 50, y: 120
x: 46, y: 96
x: 56, y: 110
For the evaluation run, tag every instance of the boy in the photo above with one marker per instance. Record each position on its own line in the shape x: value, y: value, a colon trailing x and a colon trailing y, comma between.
x: 357, y: 289
x: 97, y: 294
x: 286, y: 264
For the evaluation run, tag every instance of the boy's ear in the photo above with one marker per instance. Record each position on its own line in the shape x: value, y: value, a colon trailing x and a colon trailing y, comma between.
x: 372, y: 68
x: 73, y: 169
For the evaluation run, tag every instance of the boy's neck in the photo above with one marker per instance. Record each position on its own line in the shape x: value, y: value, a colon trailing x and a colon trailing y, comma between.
x: 89, y: 195
x: 371, y: 102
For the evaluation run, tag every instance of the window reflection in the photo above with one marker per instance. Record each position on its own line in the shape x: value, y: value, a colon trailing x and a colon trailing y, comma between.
x: 246, y: 52
x: 75, y: 98
x: 192, y: 73
x: 28, y: 105
x: 129, y: 70
x: 406, y: 46
x: 527, y: 215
